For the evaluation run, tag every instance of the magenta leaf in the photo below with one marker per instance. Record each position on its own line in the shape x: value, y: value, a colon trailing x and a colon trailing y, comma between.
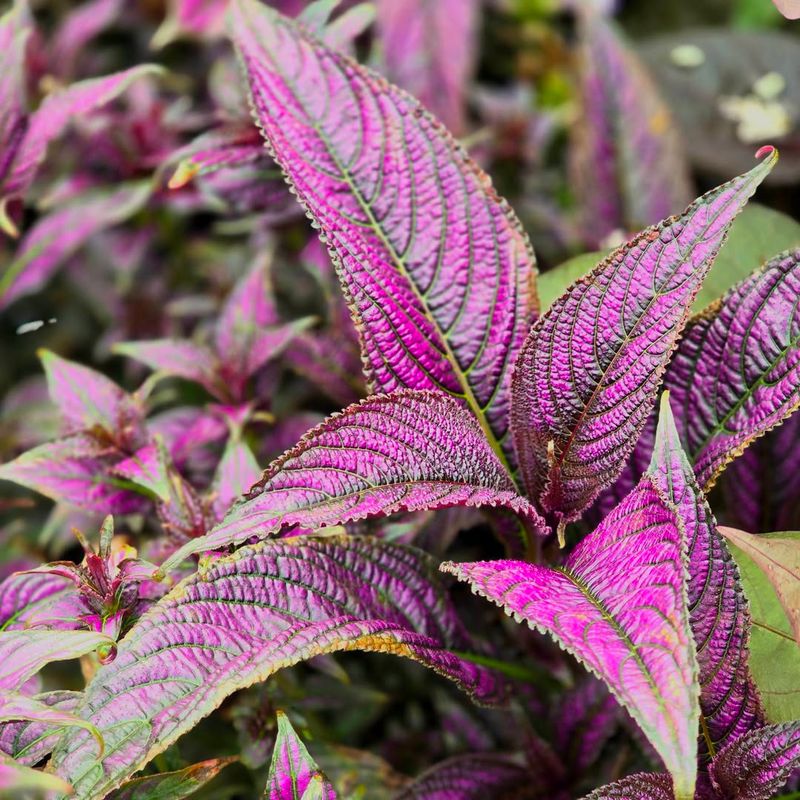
x: 429, y: 50
x: 406, y: 451
x: 24, y: 653
x: 32, y: 599
x: 176, y: 357
x: 88, y: 401
x: 293, y: 773
x: 427, y: 254
x: 737, y: 369
x: 582, y: 392
x: 171, y: 785
x: 75, y: 470
x: 237, y: 471
x: 789, y: 8
x: 58, y: 235
x: 78, y: 28
x: 719, y: 615
x: 757, y: 765
x: 50, y: 120
x: 477, y: 776
x: 645, y: 786
x: 30, y: 740
x: 627, y: 160
x: 16, y: 778
x: 264, y: 608
x: 619, y: 606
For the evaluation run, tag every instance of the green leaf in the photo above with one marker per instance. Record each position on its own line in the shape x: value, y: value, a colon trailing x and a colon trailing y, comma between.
x: 774, y: 654
x: 756, y: 235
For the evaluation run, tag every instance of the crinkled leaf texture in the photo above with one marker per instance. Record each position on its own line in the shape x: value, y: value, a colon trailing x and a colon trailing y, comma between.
x: 30, y: 599
x: 645, y: 786
x: 249, y: 615
x: 619, y: 605
x: 293, y: 773
x: 737, y: 371
x: 405, y: 451
x: 626, y: 161
x: 429, y: 49
x: 719, y: 615
x: 171, y: 785
x: 436, y: 269
x: 758, y: 764
x: 778, y: 557
x: 476, y: 776
x: 588, y: 373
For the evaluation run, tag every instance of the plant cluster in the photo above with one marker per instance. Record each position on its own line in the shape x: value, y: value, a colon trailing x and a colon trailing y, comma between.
x: 549, y: 442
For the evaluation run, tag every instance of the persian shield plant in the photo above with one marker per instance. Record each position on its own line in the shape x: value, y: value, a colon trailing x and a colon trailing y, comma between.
x: 548, y: 427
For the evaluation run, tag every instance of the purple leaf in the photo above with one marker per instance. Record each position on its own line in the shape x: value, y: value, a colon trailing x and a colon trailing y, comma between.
x: 29, y: 599
x: 770, y: 470
x: 16, y: 778
x: 645, y: 786
x: 50, y: 120
x: 618, y: 605
x: 436, y: 269
x: 78, y: 28
x: 237, y: 471
x: 58, y: 235
x: 719, y: 614
x: 293, y: 772
x: 17, y: 707
x: 197, y: 18
x: 737, y: 369
x: 148, y: 468
x: 476, y: 776
x: 627, y: 160
x: 172, y: 785
x: 429, y: 49
x: 177, y: 357
x: 757, y: 765
x: 24, y: 653
x: 586, y: 718
x: 30, y: 741
x: 265, y: 608
x: 89, y: 401
x: 75, y: 470
x: 405, y: 451
x: 582, y: 392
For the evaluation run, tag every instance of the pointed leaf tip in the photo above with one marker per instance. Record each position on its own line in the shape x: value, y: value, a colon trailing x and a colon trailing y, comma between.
x: 767, y: 151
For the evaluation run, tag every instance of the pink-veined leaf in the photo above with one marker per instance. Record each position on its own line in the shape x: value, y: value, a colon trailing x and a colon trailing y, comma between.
x: 18, y: 707
x: 757, y: 765
x: 587, y: 376
x: 476, y: 776
x: 23, y: 653
x: 30, y: 740
x: 172, y: 785
x: 778, y: 557
x: 719, y: 615
x: 406, y: 451
x: 29, y: 599
x: 148, y: 468
x: 16, y: 778
x: 770, y: 469
x: 619, y: 605
x: 50, y: 120
x: 645, y: 786
x: 264, y: 608
x: 87, y: 400
x: 737, y: 370
x: 75, y: 470
x: 627, y: 160
x: 429, y: 49
x: 237, y: 471
x: 436, y: 268
x: 58, y: 235
x: 293, y: 772
x: 789, y: 8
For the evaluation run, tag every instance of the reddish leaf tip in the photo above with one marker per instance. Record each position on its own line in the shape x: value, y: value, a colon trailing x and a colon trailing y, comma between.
x: 767, y: 151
